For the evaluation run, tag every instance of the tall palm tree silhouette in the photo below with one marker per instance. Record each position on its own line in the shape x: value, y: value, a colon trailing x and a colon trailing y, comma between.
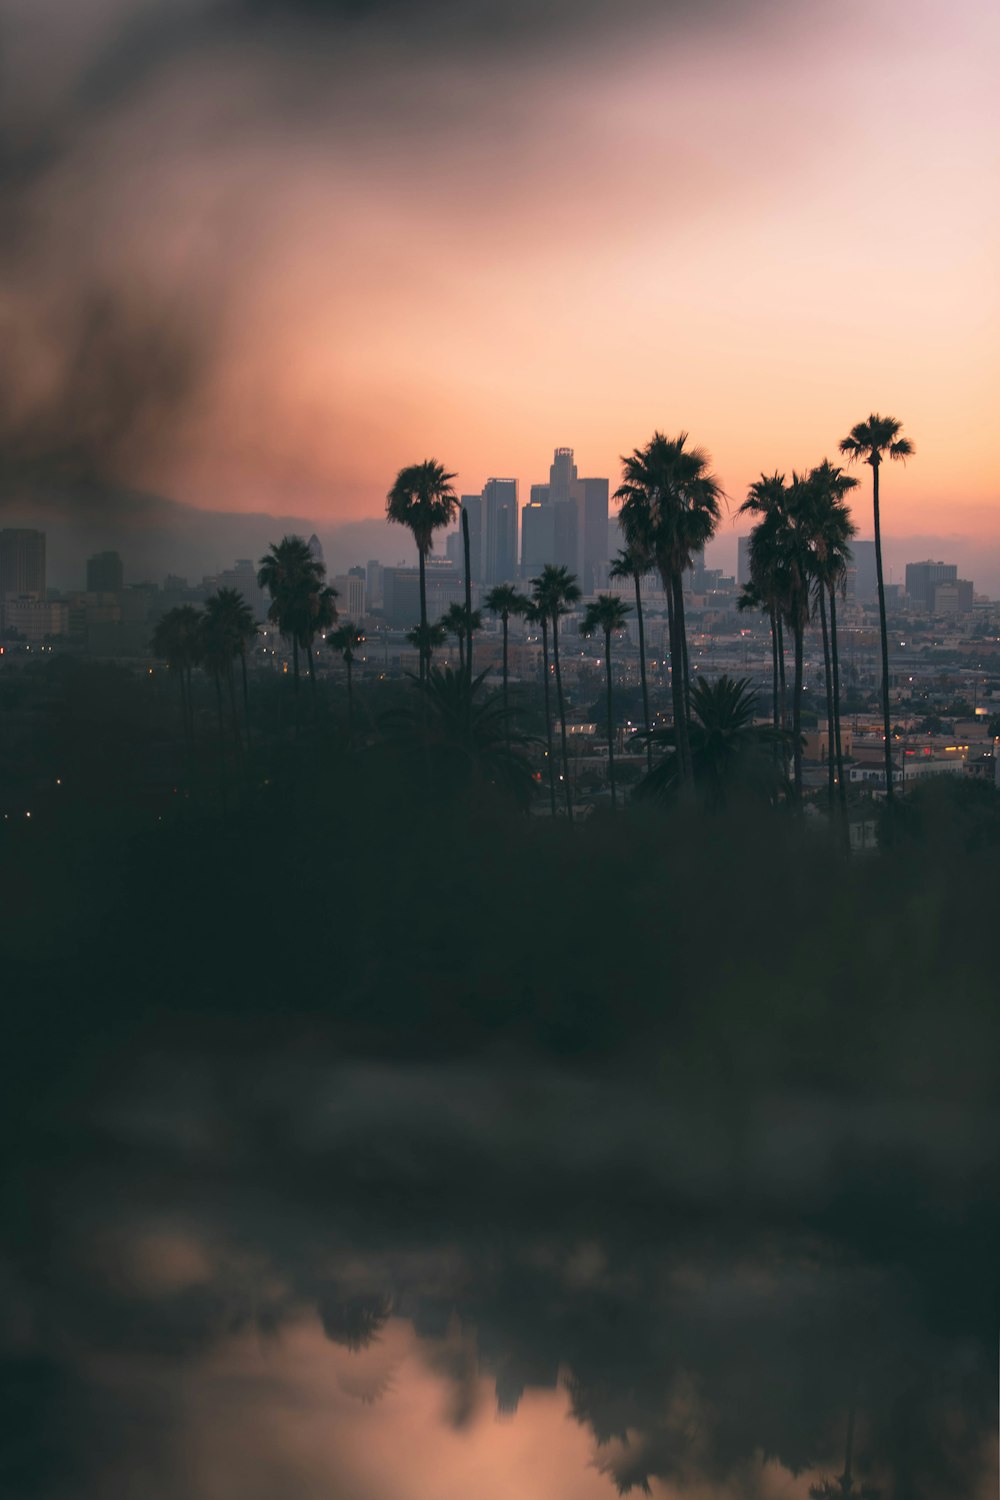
x: 234, y: 623
x: 301, y: 604
x: 669, y: 497
x: 536, y: 615
x: 343, y: 640
x: 555, y: 589
x: 607, y: 613
x: 832, y: 533
x: 176, y: 640
x: 504, y: 600
x: 872, y: 442
x: 633, y: 562
x: 422, y: 499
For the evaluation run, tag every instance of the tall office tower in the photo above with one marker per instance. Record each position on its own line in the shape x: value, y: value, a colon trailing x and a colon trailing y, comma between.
x: 566, y: 534
x: 105, y: 573
x: 865, y: 572
x: 743, y: 561
x: 923, y: 578
x: 351, y: 588
x: 592, y: 500
x: 373, y: 581
x: 243, y: 578
x: 541, y: 494
x: 537, y: 533
x: 22, y: 566
x: 500, y: 531
x: 562, y: 473
x: 473, y: 506
x: 316, y: 549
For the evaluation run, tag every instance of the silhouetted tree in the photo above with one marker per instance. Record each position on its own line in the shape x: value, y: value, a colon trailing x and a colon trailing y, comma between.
x: 300, y: 602
x: 176, y: 640
x: 234, y: 624
x: 343, y: 640
x: 871, y: 442
x: 607, y: 613
x: 634, y: 562
x: 504, y: 600
x: 422, y: 499
x: 555, y: 590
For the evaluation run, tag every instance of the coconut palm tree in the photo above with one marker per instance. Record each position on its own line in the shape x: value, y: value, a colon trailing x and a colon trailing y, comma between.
x: 535, y: 615
x: 726, y: 746
x: 466, y: 738
x: 670, y: 498
x: 177, y: 641
x: 427, y: 639
x: 766, y: 494
x: 236, y: 624
x: 872, y: 442
x: 607, y: 613
x: 504, y: 600
x: 343, y: 640
x: 294, y: 579
x: 555, y: 589
x: 832, y: 533
x: 632, y: 562
x: 461, y: 623
x: 422, y: 499
x: 218, y: 649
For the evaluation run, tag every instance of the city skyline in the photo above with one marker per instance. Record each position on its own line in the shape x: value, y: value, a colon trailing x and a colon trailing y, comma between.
x: 260, y: 334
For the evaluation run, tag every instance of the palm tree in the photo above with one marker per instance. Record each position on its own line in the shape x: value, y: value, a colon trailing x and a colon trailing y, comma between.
x: 294, y: 579
x: 176, y: 640
x: 726, y: 744
x: 555, y: 590
x: 871, y: 442
x: 671, y: 500
x: 766, y: 494
x: 504, y: 600
x: 234, y: 622
x: 607, y: 613
x: 632, y: 562
x: 461, y: 622
x: 535, y: 615
x: 344, y: 639
x: 218, y: 648
x: 466, y: 737
x: 427, y: 639
x: 423, y: 500
x: 832, y: 533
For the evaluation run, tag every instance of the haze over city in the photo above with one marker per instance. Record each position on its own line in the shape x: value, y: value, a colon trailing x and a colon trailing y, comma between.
x: 499, y: 749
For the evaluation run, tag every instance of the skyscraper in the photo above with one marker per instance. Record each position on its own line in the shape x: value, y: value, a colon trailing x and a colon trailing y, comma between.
x: 22, y: 566
x: 593, y: 510
x: 500, y: 531
x: 473, y: 506
x: 105, y: 573
x: 865, y: 573
x: 537, y: 531
x: 923, y: 578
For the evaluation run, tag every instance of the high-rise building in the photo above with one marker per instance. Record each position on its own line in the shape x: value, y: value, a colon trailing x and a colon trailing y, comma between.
x: 562, y: 473
x: 923, y: 578
x: 351, y: 588
x: 743, y: 561
x: 243, y: 578
x: 499, y: 531
x: 537, y: 532
x: 865, y: 572
x: 22, y: 566
x: 373, y: 581
x: 953, y: 598
x: 473, y: 506
x: 593, y: 505
x: 105, y: 573
x: 316, y: 549
x: 566, y: 534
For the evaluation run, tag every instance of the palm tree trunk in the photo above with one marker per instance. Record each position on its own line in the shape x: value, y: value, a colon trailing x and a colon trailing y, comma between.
x: 246, y: 693
x: 611, y: 719
x: 312, y: 680
x: 295, y: 677
x: 781, y: 671
x: 830, y: 773
x: 682, y: 638
x: 774, y: 667
x: 468, y: 588
x: 835, y: 661
x: 797, y: 713
x: 461, y: 652
x: 548, y: 715
x: 642, y: 670
x: 424, y: 651
x: 677, y: 684
x: 887, y: 727
x: 562, y: 716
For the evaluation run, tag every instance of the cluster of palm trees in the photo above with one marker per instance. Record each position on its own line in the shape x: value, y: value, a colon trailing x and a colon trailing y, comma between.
x: 214, y: 638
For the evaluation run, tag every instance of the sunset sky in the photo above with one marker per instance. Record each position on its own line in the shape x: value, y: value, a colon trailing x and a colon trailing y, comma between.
x: 256, y: 256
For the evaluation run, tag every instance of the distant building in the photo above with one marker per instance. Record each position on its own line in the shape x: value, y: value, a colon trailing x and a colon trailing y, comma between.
x: 316, y: 549
x: 401, y: 593
x: 953, y: 598
x: 499, y: 508
x: 865, y: 572
x: 473, y: 506
x: 37, y: 620
x: 243, y: 578
x: 22, y: 566
x: 922, y: 579
x: 743, y: 561
x: 537, y: 532
x: 593, y: 501
x: 351, y: 598
x: 105, y: 573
